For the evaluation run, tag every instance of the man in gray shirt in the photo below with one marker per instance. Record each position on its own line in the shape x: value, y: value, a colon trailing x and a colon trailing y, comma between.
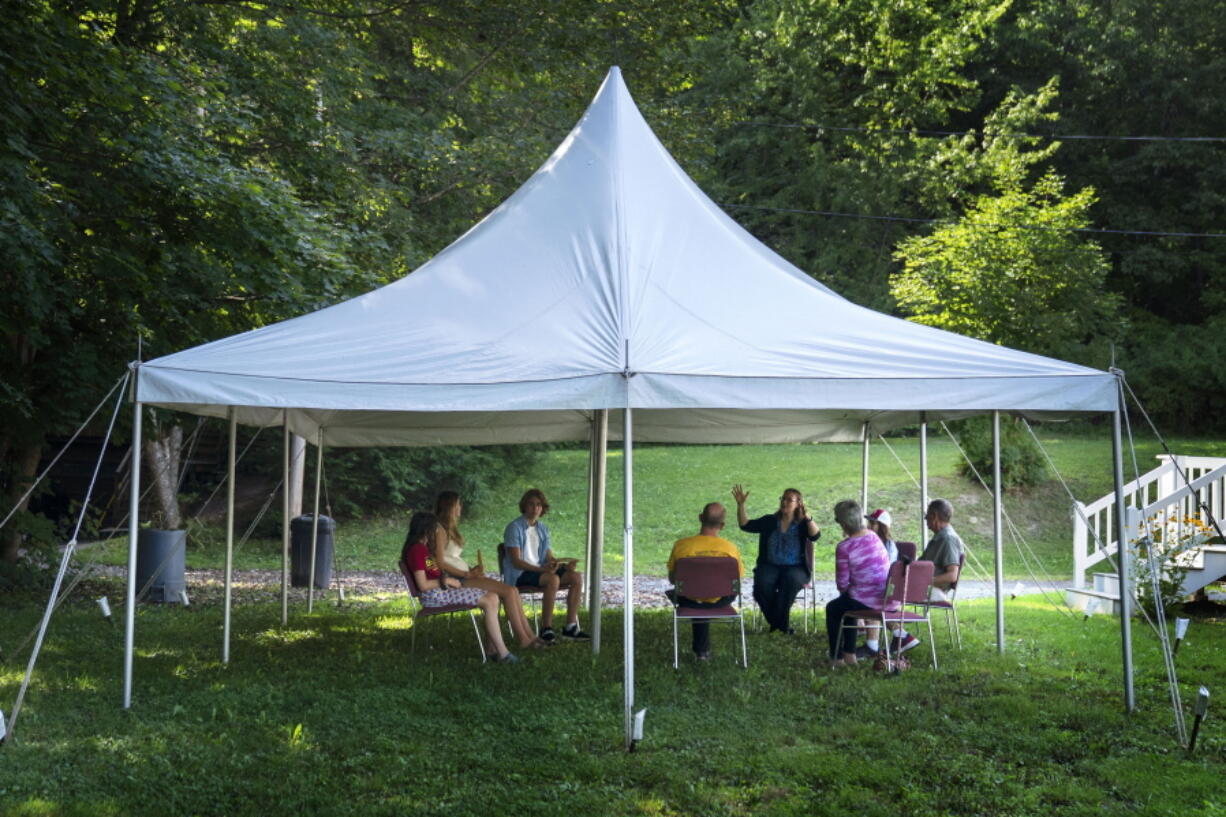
x: 945, y: 548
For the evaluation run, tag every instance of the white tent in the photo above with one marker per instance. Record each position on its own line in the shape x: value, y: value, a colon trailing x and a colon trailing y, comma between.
x: 607, y: 281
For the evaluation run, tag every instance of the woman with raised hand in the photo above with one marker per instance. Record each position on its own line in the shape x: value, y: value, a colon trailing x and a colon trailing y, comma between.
x: 783, y: 567
x: 447, y: 548
x: 440, y: 590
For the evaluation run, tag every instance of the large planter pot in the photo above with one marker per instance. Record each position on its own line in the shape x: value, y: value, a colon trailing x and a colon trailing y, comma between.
x: 161, y: 559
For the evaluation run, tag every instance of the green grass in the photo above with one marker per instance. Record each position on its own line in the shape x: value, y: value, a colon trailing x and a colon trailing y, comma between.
x: 672, y: 483
x: 332, y: 715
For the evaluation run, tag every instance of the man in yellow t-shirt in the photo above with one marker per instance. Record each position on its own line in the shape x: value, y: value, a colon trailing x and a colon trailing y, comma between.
x: 708, y: 542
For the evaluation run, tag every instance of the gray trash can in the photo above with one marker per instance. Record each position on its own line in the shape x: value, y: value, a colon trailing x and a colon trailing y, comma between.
x: 300, y: 530
x: 161, y: 558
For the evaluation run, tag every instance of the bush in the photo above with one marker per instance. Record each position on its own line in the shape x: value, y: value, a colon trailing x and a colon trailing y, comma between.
x: 1021, y: 462
x: 361, y: 481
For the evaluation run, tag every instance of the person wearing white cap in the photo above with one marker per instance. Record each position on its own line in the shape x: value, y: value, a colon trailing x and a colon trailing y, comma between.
x: 879, y: 522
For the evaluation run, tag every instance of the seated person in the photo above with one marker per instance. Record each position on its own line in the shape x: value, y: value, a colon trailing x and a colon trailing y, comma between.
x: 707, y: 543
x: 448, y: 551
x: 860, y: 575
x: 529, y: 562
x: 782, y: 567
x: 944, y: 549
x: 438, y: 590
x: 879, y: 522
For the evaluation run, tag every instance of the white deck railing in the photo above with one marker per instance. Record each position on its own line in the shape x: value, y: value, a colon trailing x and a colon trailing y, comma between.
x: 1160, y: 494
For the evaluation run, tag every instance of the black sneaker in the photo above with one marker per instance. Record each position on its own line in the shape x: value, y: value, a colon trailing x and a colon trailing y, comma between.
x: 863, y: 653
x: 572, y: 631
x: 547, y: 635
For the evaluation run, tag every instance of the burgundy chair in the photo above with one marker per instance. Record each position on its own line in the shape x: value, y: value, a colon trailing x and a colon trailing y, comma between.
x: 424, y: 612
x: 907, y: 584
x: 927, y: 606
x: 906, y: 551
x: 706, y: 577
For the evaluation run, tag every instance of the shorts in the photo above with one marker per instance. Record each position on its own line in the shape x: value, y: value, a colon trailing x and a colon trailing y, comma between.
x: 530, y: 578
x: 438, y: 597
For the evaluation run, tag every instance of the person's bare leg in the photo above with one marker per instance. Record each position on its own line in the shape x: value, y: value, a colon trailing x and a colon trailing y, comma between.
x: 493, y: 631
x: 549, y: 584
x: 513, y: 606
x: 573, y: 580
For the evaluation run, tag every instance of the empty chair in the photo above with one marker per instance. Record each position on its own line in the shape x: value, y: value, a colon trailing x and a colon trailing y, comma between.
x: 706, y: 577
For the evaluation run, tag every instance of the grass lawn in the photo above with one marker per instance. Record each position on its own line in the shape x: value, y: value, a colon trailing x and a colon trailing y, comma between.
x: 332, y: 715
x: 672, y: 483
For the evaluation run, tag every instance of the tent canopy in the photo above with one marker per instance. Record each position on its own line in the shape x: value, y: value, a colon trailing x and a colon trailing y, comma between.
x: 607, y: 280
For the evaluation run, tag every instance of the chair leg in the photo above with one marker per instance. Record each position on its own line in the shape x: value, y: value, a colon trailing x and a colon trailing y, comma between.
x: 480, y: 644
x: 957, y: 631
x: 932, y: 643
x: 744, y: 648
x: 413, y: 636
x: 676, y: 661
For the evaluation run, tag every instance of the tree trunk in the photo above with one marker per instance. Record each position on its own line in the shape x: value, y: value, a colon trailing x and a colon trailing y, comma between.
x: 25, y: 466
x: 162, y: 455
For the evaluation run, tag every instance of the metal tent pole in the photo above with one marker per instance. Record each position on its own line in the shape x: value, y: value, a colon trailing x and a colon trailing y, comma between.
x: 591, y: 503
x: 923, y: 452
x: 225, y: 637
x: 596, y: 565
x: 864, y: 472
x: 129, y: 634
x: 1123, y: 556
x: 998, y: 534
x: 628, y: 571
x: 286, y: 444
x: 319, y: 472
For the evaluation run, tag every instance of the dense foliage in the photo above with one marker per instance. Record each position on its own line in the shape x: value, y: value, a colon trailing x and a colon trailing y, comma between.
x: 176, y: 171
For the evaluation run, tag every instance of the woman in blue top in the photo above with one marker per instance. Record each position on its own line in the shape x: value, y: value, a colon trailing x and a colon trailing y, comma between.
x: 785, y: 551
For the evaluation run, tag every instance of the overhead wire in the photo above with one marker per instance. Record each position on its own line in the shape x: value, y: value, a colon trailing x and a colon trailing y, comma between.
x: 924, y: 132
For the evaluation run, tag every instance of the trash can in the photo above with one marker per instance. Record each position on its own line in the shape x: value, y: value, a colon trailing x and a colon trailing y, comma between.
x: 300, y: 530
x: 161, y: 558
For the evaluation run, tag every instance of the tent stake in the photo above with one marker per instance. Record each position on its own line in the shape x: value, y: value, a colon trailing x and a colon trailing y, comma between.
x: 225, y: 639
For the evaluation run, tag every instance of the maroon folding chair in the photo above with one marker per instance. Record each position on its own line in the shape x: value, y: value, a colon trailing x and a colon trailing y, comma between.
x: 424, y: 612
x: 906, y: 584
x: 706, y: 577
x: 906, y: 551
x: 928, y: 605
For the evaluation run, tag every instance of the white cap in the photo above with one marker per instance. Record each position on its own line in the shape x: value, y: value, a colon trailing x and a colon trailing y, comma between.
x: 882, y: 516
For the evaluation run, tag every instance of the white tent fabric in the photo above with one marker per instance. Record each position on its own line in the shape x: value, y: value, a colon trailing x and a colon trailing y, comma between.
x: 609, y: 279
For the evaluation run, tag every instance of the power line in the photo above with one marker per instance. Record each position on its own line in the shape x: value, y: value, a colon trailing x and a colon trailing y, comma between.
x: 905, y: 219
x: 921, y: 132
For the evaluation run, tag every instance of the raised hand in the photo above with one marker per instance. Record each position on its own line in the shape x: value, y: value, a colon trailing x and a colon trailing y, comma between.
x: 739, y: 494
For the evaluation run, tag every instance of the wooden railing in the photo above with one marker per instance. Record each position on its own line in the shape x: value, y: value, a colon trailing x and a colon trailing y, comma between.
x: 1162, y: 494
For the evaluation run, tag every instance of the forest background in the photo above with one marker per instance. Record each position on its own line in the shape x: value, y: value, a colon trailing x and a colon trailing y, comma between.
x: 1047, y: 174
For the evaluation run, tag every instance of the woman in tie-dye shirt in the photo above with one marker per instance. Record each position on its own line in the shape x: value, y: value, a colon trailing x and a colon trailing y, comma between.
x: 861, y: 568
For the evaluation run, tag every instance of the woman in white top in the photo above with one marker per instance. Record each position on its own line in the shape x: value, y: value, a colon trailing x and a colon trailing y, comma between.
x: 448, y: 548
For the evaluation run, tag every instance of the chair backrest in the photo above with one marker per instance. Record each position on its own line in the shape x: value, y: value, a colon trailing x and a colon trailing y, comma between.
x: 809, y: 555
x: 502, y: 557
x: 408, y: 579
x: 919, y: 579
x: 706, y: 577
x: 895, y: 586
x: 906, y: 551
x: 961, y: 564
